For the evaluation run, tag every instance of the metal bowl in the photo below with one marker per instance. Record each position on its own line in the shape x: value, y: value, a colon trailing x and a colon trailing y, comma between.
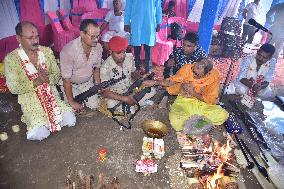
x: 154, y: 129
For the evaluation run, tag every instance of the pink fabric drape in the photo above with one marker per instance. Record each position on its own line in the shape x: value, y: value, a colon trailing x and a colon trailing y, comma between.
x: 31, y: 11
x: 7, y: 45
x: 181, y: 8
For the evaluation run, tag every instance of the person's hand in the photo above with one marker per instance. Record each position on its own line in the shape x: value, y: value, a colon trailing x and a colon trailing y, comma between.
x: 187, y: 89
x: 149, y: 83
x: 43, y: 75
x: 77, y: 107
x: 42, y: 78
x: 136, y: 75
x: 158, y: 28
x: 130, y: 100
x: 127, y: 28
x: 37, y: 82
x: 256, y: 88
x: 171, y: 63
x: 247, y: 82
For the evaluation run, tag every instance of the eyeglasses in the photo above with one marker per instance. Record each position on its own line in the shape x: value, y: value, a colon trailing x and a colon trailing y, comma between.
x: 93, y: 37
x: 30, y: 37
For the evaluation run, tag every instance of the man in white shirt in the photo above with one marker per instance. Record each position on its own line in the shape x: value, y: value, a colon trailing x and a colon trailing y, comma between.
x: 251, y: 11
x: 80, y: 62
x: 253, y: 67
x: 115, y: 21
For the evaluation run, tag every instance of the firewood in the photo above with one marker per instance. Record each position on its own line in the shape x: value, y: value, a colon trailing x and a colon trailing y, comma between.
x: 101, y: 182
x: 229, y: 182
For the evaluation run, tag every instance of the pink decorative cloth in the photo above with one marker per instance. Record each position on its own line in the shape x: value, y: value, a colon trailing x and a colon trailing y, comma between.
x: 28, y: 10
x: 146, y: 166
x: 89, y: 5
x: 181, y: 8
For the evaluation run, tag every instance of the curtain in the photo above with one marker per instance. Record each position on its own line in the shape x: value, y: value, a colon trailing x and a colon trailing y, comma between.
x: 8, y: 18
x: 181, y: 8
x: 108, y: 4
x: 17, y: 4
x: 65, y: 4
x: 231, y: 10
x: 50, y: 5
x: 30, y: 8
x: 241, y: 9
x: 100, y: 3
x: 206, y: 25
x: 190, y: 6
x: 195, y: 13
x: 221, y: 8
x: 163, y: 4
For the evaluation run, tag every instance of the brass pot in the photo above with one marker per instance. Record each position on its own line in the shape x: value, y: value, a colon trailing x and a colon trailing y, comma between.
x: 154, y: 129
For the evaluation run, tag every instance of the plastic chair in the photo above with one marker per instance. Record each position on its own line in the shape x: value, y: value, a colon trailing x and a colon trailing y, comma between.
x: 60, y: 36
x: 163, y: 48
x: 64, y: 17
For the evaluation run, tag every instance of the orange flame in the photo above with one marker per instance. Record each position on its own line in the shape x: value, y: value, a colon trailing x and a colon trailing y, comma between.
x: 211, y: 181
x: 221, y: 153
x: 224, y: 152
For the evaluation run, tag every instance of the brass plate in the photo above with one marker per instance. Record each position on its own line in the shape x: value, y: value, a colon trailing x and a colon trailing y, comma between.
x: 154, y: 129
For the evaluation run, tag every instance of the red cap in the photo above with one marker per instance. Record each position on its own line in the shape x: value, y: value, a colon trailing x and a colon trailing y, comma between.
x: 118, y: 44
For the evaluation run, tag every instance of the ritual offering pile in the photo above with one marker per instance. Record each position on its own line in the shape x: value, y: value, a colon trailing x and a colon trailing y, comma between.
x: 152, y: 149
x: 207, y: 163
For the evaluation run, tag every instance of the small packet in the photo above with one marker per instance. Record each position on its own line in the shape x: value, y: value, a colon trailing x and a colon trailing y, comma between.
x: 159, y: 149
x: 146, y: 166
x: 147, y: 147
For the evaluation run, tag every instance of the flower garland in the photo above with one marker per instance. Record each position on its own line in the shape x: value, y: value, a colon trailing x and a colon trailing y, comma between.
x: 44, y: 92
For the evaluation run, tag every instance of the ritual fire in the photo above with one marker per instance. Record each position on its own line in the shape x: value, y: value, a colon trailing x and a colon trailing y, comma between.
x: 207, y: 163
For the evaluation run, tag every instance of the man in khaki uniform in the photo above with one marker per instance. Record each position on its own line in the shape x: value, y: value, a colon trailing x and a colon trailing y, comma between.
x: 80, y: 62
x: 114, y: 66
